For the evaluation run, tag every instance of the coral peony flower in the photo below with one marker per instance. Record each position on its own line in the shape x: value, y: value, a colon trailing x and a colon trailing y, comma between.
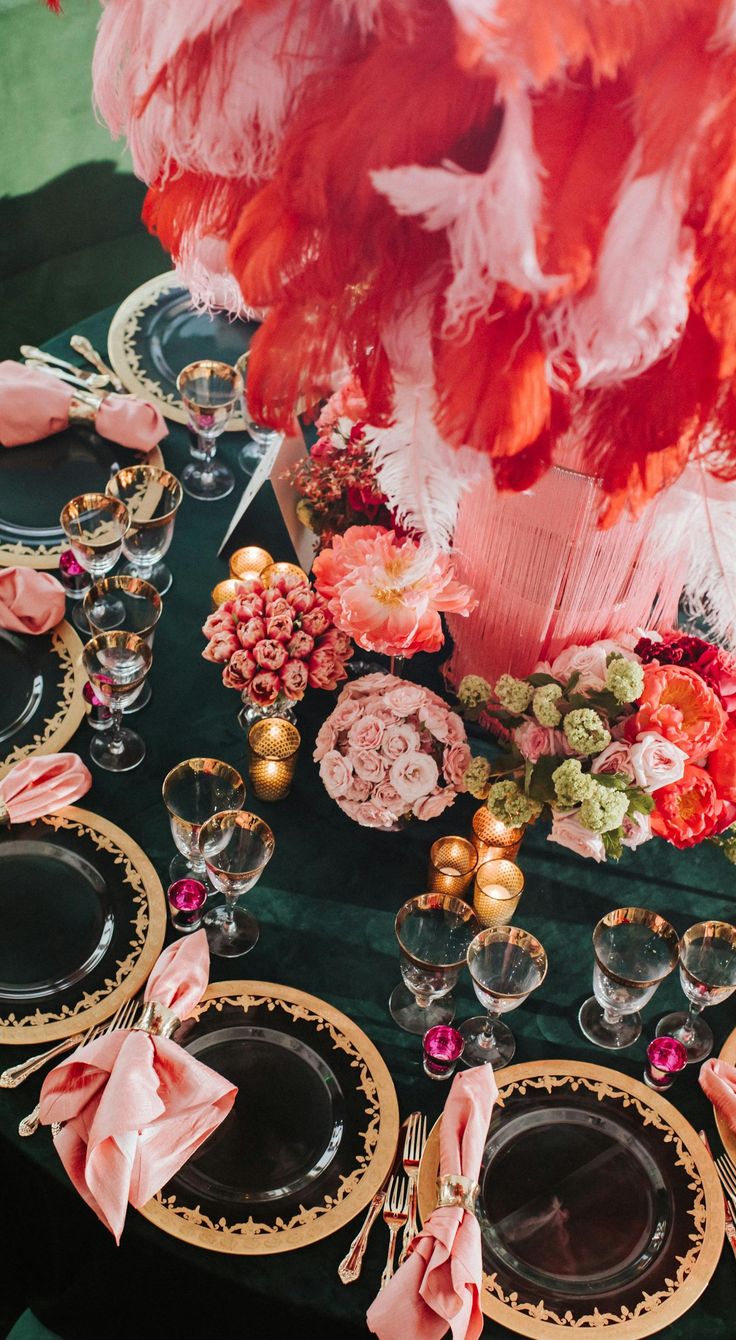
x: 387, y: 595
x: 679, y: 705
x: 721, y: 765
x: 687, y: 811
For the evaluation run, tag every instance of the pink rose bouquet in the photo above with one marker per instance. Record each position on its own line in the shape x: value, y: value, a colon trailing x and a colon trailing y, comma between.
x: 391, y: 751
x: 273, y: 642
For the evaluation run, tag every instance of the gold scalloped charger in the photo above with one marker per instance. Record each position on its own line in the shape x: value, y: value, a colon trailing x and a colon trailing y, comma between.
x: 83, y: 919
x: 41, y: 704
x: 599, y: 1207
x: 728, y: 1137
x: 312, y: 1134
x: 156, y: 332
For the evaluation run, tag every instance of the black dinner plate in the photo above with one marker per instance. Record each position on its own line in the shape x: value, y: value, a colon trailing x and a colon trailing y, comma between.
x: 37, y: 677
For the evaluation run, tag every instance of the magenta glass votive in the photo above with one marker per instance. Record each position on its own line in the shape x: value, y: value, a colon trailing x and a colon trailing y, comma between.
x: 74, y: 578
x: 187, y: 898
x: 442, y: 1047
x: 665, y: 1057
x: 98, y: 715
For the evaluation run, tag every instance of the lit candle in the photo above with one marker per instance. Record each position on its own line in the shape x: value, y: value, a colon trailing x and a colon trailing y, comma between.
x: 493, y: 839
x: 498, y: 888
x: 229, y: 589
x: 452, y: 861
x: 274, y: 747
x: 272, y: 573
x: 249, y: 561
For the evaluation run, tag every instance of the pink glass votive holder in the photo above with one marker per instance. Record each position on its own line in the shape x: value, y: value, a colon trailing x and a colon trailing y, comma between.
x: 187, y: 898
x: 74, y: 578
x: 442, y: 1047
x: 98, y: 715
x: 665, y: 1058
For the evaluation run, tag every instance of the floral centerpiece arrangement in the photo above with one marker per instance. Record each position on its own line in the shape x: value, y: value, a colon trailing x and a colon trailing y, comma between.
x: 392, y: 751
x: 619, y: 742
x: 272, y: 643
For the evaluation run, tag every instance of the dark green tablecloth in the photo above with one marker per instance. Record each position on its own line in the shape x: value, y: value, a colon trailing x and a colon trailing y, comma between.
x: 326, y: 905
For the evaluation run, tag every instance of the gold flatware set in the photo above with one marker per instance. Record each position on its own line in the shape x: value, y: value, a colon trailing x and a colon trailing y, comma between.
x: 396, y: 1199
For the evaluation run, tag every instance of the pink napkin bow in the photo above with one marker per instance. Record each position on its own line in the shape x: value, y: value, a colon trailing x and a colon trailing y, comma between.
x: 30, y: 601
x: 43, y: 785
x: 718, y: 1082
x: 33, y: 405
x: 438, y: 1287
x: 137, y: 1106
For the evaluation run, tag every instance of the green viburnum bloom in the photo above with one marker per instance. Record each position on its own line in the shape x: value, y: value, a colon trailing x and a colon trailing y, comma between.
x: 729, y: 849
x: 477, y: 777
x: 604, y: 809
x: 507, y: 802
x: 544, y: 704
x: 474, y: 691
x: 625, y: 680
x: 585, y: 731
x: 513, y: 694
x: 572, y: 785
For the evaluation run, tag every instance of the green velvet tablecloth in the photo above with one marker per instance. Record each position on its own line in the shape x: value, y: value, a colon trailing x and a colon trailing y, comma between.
x: 326, y: 904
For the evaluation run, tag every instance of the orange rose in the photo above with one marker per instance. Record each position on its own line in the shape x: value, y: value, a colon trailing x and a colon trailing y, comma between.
x: 722, y: 765
x: 687, y: 811
x: 678, y: 704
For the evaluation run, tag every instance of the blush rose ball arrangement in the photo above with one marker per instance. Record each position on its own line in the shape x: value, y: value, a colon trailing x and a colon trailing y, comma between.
x: 618, y: 742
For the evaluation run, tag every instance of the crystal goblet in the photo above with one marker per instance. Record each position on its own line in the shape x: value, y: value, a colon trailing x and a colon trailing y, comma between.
x: 506, y: 964
x: 94, y: 525
x: 707, y: 976
x: 117, y: 664
x: 261, y: 437
x: 634, y: 951
x: 192, y: 792
x: 209, y: 391
x: 433, y: 931
x: 152, y: 496
x: 133, y: 605
x: 237, y: 847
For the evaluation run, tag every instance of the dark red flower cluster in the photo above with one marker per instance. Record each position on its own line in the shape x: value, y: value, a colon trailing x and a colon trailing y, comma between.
x: 714, y: 664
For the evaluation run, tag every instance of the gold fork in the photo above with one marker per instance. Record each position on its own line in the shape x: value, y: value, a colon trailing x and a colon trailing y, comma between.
x: 395, y: 1209
x: 416, y: 1138
x: 123, y: 1018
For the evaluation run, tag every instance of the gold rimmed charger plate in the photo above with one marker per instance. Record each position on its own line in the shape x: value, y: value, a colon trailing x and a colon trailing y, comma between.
x: 57, y: 729
x: 728, y: 1138
x: 128, y: 343
x: 125, y: 975
x: 655, y: 1311
x: 243, y: 1234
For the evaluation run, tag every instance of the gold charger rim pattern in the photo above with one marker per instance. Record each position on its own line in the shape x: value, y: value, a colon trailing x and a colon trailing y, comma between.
x: 653, y: 1313
x: 126, y: 361
x: 59, y: 728
x: 380, y: 1138
x: 44, y: 557
x: 728, y: 1137
x: 149, y: 927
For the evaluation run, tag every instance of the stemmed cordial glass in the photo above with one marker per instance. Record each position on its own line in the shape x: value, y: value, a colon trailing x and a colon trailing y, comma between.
x: 506, y: 964
x: 433, y: 931
x: 260, y: 437
x: 237, y: 847
x: 136, y: 607
x: 209, y: 391
x: 94, y: 525
x: 192, y: 792
x: 152, y: 496
x: 117, y: 664
x: 634, y: 951
x: 707, y: 976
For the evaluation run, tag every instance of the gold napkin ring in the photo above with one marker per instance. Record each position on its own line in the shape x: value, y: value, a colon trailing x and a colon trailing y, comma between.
x: 4, y: 816
x: 157, y: 1020
x: 452, y: 1189
x: 83, y: 411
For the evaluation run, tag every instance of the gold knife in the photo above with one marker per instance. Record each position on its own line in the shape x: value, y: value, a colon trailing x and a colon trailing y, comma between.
x: 350, y: 1267
x: 730, y: 1224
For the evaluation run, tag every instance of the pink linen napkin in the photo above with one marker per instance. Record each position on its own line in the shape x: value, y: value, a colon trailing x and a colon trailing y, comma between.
x: 42, y: 785
x: 718, y: 1082
x: 30, y: 601
x: 135, y: 1107
x: 34, y: 405
x: 438, y: 1287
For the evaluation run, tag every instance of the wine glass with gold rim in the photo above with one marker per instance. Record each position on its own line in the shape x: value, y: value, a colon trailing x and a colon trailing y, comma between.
x: 128, y: 603
x: 433, y: 931
x: 192, y: 792
x: 261, y: 438
x: 94, y: 525
x: 152, y: 496
x: 236, y: 847
x: 708, y: 977
x: 634, y: 951
x: 506, y: 964
x: 117, y: 664
x: 209, y: 391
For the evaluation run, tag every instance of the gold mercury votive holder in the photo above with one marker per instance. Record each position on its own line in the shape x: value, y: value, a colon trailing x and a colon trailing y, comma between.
x: 452, y: 862
x: 249, y: 562
x: 275, y: 570
x: 226, y: 590
x: 492, y: 839
x: 498, y: 888
x: 274, y: 748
